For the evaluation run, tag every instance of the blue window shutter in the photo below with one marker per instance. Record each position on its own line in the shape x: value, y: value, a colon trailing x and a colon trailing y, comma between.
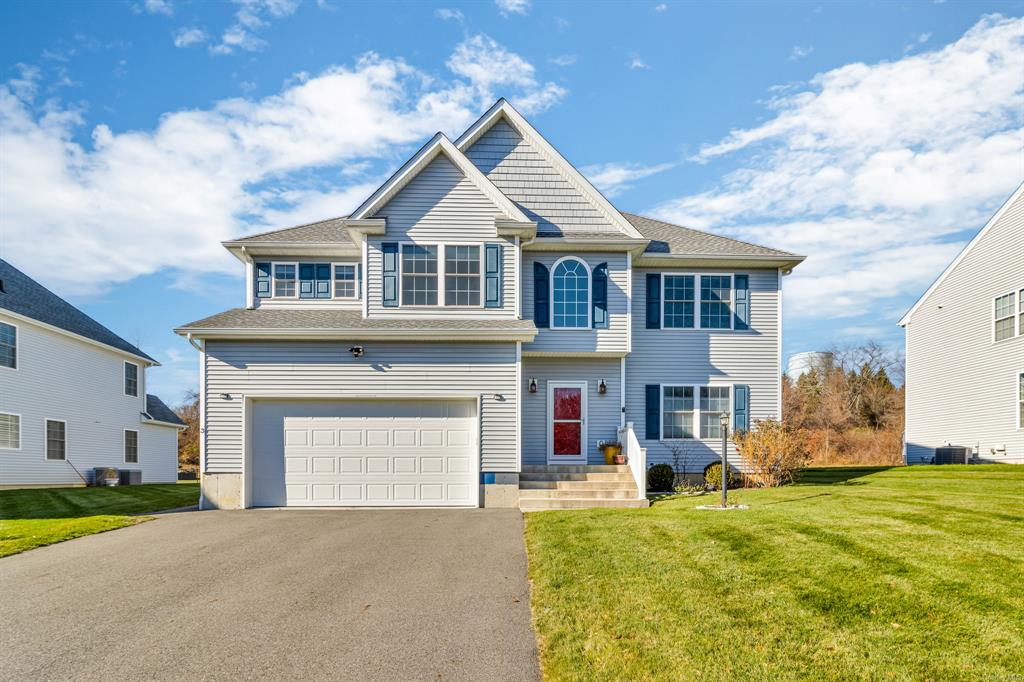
x: 390, y: 271
x: 322, y: 282
x: 541, y: 296
x: 599, y: 292
x: 654, y: 300
x: 492, y: 275
x: 653, y: 411
x: 742, y: 297
x: 307, y: 283
x: 262, y: 279
x: 741, y: 408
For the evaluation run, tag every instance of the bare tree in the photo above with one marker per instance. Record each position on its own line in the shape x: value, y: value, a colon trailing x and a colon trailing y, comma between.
x: 188, y: 438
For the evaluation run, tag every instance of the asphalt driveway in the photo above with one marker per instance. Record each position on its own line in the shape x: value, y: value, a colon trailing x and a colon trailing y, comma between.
x: 276, y: 594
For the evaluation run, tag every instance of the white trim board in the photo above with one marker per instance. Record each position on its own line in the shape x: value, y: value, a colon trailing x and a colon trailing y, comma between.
x: 1017, y: 195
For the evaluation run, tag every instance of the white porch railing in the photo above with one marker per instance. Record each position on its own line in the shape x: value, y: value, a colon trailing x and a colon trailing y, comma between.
x: 636, y: 458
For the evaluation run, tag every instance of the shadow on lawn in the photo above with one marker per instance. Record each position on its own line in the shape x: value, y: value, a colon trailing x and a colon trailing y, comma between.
x: 74, y: 503
x: 837, y: 475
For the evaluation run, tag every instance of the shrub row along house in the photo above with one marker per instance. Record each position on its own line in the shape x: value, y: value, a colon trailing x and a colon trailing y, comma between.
x: 73, y: 395
x: 472, y: 332
x: 965, y: 350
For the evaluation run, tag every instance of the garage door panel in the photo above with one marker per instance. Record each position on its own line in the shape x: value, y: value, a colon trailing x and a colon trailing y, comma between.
x: 399, y: 453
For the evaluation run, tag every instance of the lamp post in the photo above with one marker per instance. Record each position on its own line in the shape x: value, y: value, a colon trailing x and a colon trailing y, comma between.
x: 723, y: 421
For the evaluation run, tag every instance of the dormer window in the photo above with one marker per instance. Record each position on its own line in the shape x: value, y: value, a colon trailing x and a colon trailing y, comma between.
x: 570, y: 294
x: 344, y: 281
x: 284, y: 280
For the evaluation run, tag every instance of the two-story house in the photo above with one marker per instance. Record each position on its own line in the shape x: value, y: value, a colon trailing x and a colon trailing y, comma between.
x: 965, y: 350
x: 472, y: 332
x: 73, y: 395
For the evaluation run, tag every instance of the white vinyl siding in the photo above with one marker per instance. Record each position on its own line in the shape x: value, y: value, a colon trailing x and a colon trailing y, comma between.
x: 86, y: 390
x: 10, y: 431
x: 440, y: 207
x: 56, y: 439
x: 960, y: 382
x: 387, y: 370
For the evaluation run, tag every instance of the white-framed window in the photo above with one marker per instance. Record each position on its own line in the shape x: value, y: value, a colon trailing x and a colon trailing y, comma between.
x: 677, y: 410
x: 131, y: 446
x: 1004, y: 312
x: 56, y: 439
x: 8, y: 346
x: 678, y: 293
x: 10, y: 431
x: 714, y: 400
x: 345, y: 280
x: 716, y: 301
x: 1020, y: 400
x: 462, y: 274
x: 131, y: 379
x: 570, y: 294
x: 693, y: 411
x: 419, y: 274
x: 284, y: 280
x: 1020, y: 312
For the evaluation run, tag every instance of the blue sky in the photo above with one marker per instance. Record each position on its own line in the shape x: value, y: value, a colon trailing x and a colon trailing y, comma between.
x: 875, y: 138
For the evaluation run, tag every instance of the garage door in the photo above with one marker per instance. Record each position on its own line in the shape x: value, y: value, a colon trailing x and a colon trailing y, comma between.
x: 365, y: 453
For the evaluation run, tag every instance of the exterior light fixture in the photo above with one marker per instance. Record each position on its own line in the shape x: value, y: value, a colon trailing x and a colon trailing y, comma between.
x: 356, y: 351
x: 602, y: 387
x: 533, y: 385
x: 723, y: 421
x: 225, y: 396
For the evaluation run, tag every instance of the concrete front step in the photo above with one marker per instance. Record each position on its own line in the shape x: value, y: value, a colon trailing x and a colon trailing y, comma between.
x: 621, y: 494
x: 575, y: 469
x: 575, y: 477
x: 577, y: 485
x: 542, y: 503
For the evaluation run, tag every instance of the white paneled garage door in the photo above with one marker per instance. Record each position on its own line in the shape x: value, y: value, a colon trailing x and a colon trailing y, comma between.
x: 364, y: 453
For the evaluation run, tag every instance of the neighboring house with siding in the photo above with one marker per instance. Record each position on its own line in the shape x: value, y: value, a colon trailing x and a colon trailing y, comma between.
x: 472, y: 332
x: 965, y: 349
x: 73, y: 395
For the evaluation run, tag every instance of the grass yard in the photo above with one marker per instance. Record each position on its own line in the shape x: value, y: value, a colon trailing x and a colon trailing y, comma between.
x: 36, y: 517
x: 909, y: 573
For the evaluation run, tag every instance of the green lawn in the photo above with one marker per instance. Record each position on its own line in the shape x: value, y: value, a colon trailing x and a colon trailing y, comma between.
x: 911, y: 573
x: 37, y: 517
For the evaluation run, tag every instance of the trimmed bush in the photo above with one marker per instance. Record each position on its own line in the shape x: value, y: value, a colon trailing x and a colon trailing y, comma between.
x: 772, y: 453
x: 713, y: 476
x: 660, y: 478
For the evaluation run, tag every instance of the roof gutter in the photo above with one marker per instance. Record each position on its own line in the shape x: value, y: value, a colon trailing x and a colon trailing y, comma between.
x: 194, y: 335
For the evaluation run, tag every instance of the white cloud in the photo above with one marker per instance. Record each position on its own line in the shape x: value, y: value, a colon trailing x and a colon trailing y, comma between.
x: 875, y: 171
x: 799, y: 52
x: 635, y: 62
x: 158, y: 7
x: 563, y: 60
x: 252, y: 16
x: 446, y: 14
x: 186, y: 36
x: 507, y: 7
x: 660, y: 7
x: 135, y: 202
x: 614, y: 178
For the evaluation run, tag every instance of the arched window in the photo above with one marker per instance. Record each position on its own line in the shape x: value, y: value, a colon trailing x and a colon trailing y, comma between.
x: 570, y: 294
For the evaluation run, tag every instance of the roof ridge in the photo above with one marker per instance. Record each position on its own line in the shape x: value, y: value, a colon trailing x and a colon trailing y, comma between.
x: 712, y: 234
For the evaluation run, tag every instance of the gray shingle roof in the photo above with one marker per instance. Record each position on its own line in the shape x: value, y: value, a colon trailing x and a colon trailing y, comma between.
x: 159, y: 411
x: 23, y: 295
x: 323, y: 231
x: 672, y: 239
x: 344, y: 320
x: 570, y: 235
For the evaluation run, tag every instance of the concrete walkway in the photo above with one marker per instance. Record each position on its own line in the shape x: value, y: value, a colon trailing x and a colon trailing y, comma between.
x: 264, y: 594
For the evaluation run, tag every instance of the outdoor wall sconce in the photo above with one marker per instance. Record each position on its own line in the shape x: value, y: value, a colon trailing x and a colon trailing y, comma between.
x: 602, y: 387
x: 533, y: 385
x: 356, y: 351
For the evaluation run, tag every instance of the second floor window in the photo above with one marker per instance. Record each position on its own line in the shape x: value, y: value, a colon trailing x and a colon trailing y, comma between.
x: 419, y: 274
x: 570, y: 295
x: 284, y: 280
x: 679, y: 302
x: 131, y: 379
x: 344, y: 281
x: 462, y: 275
x: 715, y: 299
x: 1005, y: 314
x: 8, y: 345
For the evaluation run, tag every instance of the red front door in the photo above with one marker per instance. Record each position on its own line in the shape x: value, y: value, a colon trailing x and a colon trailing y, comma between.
x: 568, y: 423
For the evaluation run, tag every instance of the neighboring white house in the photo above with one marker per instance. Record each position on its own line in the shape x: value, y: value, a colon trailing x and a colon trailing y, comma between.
x: 483, y: 321
x: 965, y: 349
x: 73, y: 395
